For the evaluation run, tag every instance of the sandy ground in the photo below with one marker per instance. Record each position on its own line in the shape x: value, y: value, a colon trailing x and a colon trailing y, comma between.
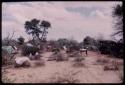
x: 92, y: 73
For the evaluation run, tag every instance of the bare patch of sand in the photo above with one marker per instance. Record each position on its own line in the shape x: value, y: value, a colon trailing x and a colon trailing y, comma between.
x: 42, y: 74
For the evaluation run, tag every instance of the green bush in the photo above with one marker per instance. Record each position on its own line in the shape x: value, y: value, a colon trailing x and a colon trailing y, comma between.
x: 26, y: 50
x: 6, y: 58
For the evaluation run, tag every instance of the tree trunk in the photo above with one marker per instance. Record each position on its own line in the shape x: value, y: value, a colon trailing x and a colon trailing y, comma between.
x: 43, y: 33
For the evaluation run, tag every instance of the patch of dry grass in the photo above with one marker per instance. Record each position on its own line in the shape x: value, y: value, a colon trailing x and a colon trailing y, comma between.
x: 79, y: 64
x: 114, y: 65
x: 110, y: 67
x: 102, y: 61
x: 79, y: 61
x: 120, y: 74
x: 39, y: 63
x: 5, y: 79
x: 66, y: 77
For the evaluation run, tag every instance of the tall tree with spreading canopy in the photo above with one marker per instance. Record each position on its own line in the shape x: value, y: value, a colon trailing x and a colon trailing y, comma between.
x: 38, y: 29
x: 118, y: 15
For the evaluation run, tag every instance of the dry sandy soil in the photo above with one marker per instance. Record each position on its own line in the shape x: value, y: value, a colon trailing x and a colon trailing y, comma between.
x: 91, y: 73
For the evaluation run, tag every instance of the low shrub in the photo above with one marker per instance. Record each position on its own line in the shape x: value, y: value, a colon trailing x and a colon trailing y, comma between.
x: 78, y: 62
x: 110, y: 67
x: 59, y: 56
x: 6, y: 58
x: 26, y: 50
x: 113, y: 65
x: 79, y: 59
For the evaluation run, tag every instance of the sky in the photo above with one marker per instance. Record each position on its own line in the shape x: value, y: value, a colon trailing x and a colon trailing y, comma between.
x: 69, y: 19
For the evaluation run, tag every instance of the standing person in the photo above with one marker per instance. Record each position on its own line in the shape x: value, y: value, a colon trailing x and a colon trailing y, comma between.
x: 86, y: 50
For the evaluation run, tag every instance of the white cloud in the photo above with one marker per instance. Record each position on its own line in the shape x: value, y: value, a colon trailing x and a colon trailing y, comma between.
x: 64, y: 23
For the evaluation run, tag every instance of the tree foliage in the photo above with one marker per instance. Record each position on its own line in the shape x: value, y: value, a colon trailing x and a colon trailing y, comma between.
x: 118, y: 15
x: 37, y: 28
x: 89, y: 41
x: 21, y: 40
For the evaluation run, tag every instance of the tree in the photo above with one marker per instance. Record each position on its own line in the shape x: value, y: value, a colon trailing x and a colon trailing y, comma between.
x: 45, y: 25
x: 118, y: 15
x: 8, y: 40
x: 86, y: 40
x: 63, y: 42
x: 89, y: 41
x: 73, y: 45
x: 37, y: 28
x: 21, y: 40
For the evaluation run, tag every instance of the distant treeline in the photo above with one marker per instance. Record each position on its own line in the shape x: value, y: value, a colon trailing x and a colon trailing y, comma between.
x: 103, y: 46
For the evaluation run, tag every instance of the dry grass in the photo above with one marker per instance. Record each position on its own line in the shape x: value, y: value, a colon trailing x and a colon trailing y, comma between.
x: 66, y: 77
x: 79, y: 59
x: 39, y: 63
x: 110, y: 67
x: 102, y: 61
x: 5, y: 79
x: 116, y: 62
x: 114, y: 65
x: 59, y: 56
x: 79, y: 64
x: 120, y: 75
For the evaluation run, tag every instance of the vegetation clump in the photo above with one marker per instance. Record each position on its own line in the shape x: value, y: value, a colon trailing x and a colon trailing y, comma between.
x: 6, y: 58
x: 102, y: 61
x: 114, y: 65
x: 66, y: 77
x: 78, y: 61
x: 26, y: 50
